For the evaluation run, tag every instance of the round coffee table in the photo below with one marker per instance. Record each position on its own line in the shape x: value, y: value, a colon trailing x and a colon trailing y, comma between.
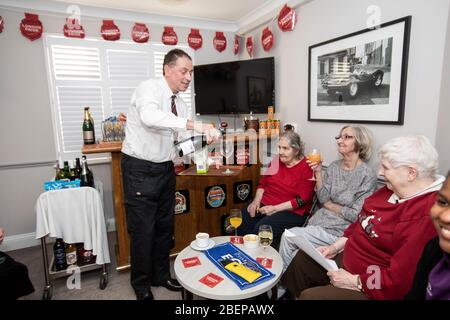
x: 226, y: 289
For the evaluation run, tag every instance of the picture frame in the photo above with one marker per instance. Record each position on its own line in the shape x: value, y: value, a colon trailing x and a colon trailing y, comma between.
x: 360, y: 77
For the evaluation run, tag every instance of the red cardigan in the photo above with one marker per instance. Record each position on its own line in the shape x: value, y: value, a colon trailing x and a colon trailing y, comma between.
x: 386, y: 240
x: 282, y: 184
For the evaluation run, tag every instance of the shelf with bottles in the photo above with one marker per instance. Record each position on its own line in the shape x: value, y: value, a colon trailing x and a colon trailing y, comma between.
x: 66, y: 255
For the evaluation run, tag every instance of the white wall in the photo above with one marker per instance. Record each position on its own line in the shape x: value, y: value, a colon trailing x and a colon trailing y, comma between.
x: 26, y: 115
x: 321, y: 20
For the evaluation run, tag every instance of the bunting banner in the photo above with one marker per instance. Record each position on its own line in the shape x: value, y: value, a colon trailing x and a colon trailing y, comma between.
x: 267, y: 39
x: 31, y: 27
x: 220, y: 42
x: 236, y: 44
x: 287, y: 18
x: 169, y: 37
x: 195, y: 39
x: 140, y: 33
x: 1, y: 24
x: 110, y: 31
x: 249, y: 45
x: 73, y: 29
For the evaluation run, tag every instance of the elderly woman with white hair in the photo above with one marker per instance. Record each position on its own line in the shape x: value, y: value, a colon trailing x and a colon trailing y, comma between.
x: 378, y: 253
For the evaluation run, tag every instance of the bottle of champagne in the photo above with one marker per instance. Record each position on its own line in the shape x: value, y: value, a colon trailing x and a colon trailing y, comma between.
x: 66, y: 170
x: 73, y: 172
x: 88, y: 128
x: 190, y: 145
x: 59, y: 253
x: 87, y: 179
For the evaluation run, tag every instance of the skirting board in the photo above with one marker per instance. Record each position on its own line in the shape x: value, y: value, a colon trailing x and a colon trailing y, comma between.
x: 26, y: 240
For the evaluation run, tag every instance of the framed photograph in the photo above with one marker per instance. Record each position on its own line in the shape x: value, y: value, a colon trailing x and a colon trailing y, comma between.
x: 360, y: 77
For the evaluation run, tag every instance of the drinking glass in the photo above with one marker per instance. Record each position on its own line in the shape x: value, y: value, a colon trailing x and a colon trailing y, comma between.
x: 235, y: 219
x: 265, y: 234
x: 313, y: 156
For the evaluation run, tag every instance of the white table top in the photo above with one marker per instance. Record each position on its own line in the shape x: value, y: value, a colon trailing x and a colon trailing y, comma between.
x: 226, y: 289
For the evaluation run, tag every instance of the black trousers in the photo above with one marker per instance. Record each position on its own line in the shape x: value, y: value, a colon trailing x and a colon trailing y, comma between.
x: 14, y: 279
x: 149, y: 192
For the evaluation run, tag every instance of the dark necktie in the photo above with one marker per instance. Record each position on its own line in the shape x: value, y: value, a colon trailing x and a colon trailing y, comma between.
x: 174, y: 106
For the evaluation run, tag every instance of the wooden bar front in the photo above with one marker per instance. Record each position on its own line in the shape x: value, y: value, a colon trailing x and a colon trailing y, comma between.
x: 198, y: 218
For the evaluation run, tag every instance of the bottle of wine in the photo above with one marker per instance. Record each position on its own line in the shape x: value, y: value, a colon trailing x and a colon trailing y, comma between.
x: 57, y: 171
x: 78, y: 167
x: 88, y: 128
x: 190, y: 145
x: 73, y: 172
x: 59, y: 253
x: 87, y: 179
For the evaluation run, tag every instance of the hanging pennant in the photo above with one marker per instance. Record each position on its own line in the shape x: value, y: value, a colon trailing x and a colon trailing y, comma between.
x: 236, y: 44
x: 110, y: 31
x: 195, y: 39
x: 31, y: 27
x: 249, y: 45
x: 1, y: 24
x: 267, y: 39
x: 169, y: 37
x: 220, y: 42
x: 140, y: 33
x: 287, y: 18
x: 72, y: 29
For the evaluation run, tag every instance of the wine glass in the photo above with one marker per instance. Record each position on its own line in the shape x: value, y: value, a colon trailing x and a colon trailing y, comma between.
x: 265, y: 234
x: 226, y: 150
x: 235, y: 219
x: 313, y: 156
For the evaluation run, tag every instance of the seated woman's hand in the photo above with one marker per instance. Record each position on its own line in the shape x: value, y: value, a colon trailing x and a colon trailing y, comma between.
x: 253, y: 207
x: 315, y: 166
x: 343, y: 279
x: 268, y: 210
x: 328, y: 252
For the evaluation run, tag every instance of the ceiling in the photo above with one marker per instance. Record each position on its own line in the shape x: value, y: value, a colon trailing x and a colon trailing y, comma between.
x: 223, y: 10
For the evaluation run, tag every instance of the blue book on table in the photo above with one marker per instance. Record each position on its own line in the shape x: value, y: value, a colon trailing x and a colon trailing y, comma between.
x: 228, y: 251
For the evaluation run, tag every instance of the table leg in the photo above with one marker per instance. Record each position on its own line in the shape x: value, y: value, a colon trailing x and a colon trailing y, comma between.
x: 187, y: 295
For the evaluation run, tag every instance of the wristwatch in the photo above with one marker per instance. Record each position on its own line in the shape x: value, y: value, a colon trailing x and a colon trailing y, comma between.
x: 359, y: 284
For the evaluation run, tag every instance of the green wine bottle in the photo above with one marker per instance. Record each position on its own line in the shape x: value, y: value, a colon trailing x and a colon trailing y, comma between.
x: 88, y: 128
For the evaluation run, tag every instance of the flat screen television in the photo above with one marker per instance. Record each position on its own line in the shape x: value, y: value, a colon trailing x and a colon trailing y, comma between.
x: 235, y: 87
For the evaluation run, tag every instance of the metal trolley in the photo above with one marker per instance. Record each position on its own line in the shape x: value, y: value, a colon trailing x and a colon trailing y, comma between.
x: 50, y: 273
x: 64, y: 220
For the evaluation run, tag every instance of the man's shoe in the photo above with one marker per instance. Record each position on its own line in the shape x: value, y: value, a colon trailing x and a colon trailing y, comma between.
x: 148, y: 296
x: 172, y: 285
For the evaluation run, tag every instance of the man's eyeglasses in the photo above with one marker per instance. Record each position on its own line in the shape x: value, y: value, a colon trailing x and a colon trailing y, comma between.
x: 344, y: 137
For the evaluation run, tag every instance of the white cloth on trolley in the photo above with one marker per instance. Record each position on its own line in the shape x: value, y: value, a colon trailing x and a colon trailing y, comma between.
x: 76, y: 215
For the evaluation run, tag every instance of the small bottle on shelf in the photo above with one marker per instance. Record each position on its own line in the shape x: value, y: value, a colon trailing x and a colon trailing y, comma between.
x: 59, y: 254
x: 71, y: 254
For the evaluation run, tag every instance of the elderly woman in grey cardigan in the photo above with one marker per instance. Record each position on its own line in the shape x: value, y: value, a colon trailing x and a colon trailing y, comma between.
x: 341, y: 191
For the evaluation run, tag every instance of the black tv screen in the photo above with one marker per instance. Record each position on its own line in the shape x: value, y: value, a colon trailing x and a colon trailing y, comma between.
x: 235, y: 87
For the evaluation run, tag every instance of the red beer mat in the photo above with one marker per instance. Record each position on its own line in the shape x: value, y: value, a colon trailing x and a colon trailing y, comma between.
x: 266, y: 264
x: 236, y: 240
x: 191, y: 262
x: 211, y: 280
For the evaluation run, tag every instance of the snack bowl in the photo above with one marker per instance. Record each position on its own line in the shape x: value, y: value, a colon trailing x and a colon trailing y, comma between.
x: 251, y: 241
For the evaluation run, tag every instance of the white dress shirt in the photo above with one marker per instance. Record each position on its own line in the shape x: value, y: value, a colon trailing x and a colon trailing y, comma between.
x: 151, y: 125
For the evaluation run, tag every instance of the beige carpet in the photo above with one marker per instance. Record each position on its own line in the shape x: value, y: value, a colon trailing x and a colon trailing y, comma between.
x: 118, y: 287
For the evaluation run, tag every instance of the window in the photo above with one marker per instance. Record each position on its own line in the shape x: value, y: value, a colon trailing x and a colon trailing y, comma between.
x: 98, y: 74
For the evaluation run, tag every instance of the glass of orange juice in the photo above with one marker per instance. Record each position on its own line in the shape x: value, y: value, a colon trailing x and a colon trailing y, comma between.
x: 235, y: 219
x: 314, y: 156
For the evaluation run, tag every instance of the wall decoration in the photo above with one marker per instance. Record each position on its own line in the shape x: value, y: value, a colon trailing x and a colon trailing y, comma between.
x: 73, y: 29
x: 110, y: 31
x: 287, y: 19
x: 249, y: 45
x: 236, y: 44
x: 215, y: 196
x: 360, y: 77
x: 1, y: 24
x: 195, y: 39
x: 267, y: 39
x: 169, y: 37
x: 242, y: 191
x: 220, y: 42
x: 31, y: 27
x: 140, y: 33
x: 182, y: 201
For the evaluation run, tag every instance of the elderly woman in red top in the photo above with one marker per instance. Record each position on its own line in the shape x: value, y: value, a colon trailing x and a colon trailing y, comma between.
x: 378, y: 253
x: 284, y: 194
